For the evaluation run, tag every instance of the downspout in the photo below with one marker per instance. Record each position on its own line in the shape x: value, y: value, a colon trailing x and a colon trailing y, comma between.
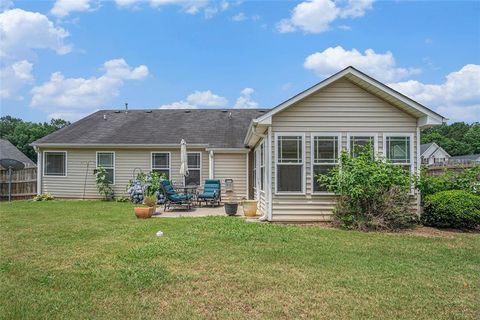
x: 419, y: 207
x: 39, y: 169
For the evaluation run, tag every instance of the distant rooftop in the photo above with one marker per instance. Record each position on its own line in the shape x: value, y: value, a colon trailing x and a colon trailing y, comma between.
x: 9, y: 151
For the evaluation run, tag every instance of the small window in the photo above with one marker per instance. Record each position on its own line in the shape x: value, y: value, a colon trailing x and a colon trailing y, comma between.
x: 193, y: 160
x: 357, y: 143
x: 290, y: 163
x: 161, y: 163
x: 255, y: 169
x: 106, y: 160
x: 398, y: 151
x: 325, y: 157
x: 55, y: 163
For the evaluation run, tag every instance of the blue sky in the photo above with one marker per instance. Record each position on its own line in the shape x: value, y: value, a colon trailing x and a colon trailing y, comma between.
x: 69, y: 58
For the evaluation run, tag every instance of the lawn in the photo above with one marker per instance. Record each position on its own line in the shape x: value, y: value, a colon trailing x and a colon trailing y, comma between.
x: 95, y: 260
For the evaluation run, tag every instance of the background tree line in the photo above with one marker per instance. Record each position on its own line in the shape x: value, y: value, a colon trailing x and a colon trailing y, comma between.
x: 458, y: 138
x: 21, y: 133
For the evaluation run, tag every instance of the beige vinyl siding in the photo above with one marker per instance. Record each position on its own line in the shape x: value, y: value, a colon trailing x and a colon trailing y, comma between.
x: 232, y: 166
x: 343, y: 108
x: 126, y: 160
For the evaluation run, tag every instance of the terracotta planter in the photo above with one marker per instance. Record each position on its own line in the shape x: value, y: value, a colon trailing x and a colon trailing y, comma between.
x: 250, y: 208
x: 143, y: 212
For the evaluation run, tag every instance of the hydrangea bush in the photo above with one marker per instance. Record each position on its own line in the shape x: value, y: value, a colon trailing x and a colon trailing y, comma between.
x: 145, y: 184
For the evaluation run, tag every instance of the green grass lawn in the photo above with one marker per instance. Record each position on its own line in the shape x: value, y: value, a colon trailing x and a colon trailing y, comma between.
x: 95, y: 260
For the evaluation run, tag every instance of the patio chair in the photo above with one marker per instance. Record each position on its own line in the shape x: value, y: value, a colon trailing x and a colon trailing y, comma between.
x: 173, y: 198
x: 212, y: 193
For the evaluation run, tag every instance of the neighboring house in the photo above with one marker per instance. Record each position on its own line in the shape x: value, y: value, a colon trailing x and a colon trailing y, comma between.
x: 466, y: 158
x: 24, y: 182
x: 9, y: 151
x: 272, y: 155
x: 432, y: 153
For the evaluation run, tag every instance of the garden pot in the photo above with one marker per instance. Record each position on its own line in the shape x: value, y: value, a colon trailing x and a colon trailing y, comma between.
x: 231, y: 208
x: 250, y: 208
x: 143, y: 212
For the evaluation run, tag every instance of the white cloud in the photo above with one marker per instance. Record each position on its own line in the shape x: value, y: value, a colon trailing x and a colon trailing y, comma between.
x: 5, y: 4
x: 62, y: 8
x: 197, y: 100
x: 315, y: 16
x: 207, y: 7
x: 245, y: 100
x: 207, y: 99
x: 239, y: 17
x: 458, y: 98
x: 21, y: 31
x: 380, y: 65
x: 13, y: 77
x: 73, y: 97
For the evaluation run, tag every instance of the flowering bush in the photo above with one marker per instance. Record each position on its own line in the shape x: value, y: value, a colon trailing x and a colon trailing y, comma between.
x: 145, y: 185
x: 43, y: 197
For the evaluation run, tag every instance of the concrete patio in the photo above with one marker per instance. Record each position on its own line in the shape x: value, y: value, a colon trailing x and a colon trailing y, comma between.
x: 194, y: 212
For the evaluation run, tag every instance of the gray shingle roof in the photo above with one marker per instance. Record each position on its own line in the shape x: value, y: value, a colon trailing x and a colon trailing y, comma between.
x: 469, y: 157
x: 425, y: 146
x: 9, y: 151
x: 214, y: 127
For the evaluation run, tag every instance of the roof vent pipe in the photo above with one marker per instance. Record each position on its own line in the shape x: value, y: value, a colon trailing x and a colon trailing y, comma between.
x: 104, y: 117
x: 126, y: 107
x: 230, y: 115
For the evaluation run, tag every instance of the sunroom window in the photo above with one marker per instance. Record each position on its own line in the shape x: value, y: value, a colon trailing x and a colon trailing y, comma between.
x: 397, y: 149
x: 161, y: 163
x: 55, y: 163
x: 193, y: 160
x: 358, y: 142
x: 262, y: 166
x: 106, y: 160
x: 325, y: 157
x: 290, y: 163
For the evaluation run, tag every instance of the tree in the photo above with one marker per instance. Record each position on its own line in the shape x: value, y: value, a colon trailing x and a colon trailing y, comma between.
x: 21, y: 133
x: 458, y: 138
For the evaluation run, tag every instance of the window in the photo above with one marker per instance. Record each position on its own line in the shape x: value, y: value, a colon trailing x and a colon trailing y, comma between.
x: 262, y: 166
x: 325, y: 156
x: 161, y: 163
x: 398, y: 150
x: 357, y: 142
x: 290, y: 163
x: 106, y: 160
x: 55, y: 163
x: 194, y: 165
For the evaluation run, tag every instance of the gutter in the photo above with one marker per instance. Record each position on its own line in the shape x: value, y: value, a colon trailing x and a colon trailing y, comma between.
x: 113, y: 145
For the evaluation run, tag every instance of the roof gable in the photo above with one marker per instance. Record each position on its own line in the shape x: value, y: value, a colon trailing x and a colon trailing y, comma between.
x: 426, y: 116
x: 9, y: 151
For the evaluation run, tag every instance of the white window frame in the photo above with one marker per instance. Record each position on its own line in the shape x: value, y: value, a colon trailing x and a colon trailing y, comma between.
x: 364, y: 134
x: 303, y: 163
x: 399, y: 134
x: 312, y: 160
x: 255, y: 169
x: 169, y: 163
x: 45, y: 157
x: 114, y: 158
x: 195, y: 169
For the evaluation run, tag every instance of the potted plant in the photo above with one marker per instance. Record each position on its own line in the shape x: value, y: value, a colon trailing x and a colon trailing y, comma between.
x: 231, y: 205
x: 249, y: 208
x: 151, y: 202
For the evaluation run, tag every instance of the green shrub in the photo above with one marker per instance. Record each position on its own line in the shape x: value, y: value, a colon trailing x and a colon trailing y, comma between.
x: 452, y: 209
x: 43, y: 197
x: 373, y: 194
x: 103, y: 184
x: 466, y: 179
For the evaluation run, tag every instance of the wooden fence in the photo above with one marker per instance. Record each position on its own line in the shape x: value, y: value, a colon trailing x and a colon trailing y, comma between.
x: 439, y: 168
x: 24, y: 183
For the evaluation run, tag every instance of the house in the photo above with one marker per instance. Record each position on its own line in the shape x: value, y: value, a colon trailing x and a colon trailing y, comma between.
x: 9, y: 151
x: 272, y: 155
x: 432, y: 153
x: 24, y: 183
x: 468, y: 158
